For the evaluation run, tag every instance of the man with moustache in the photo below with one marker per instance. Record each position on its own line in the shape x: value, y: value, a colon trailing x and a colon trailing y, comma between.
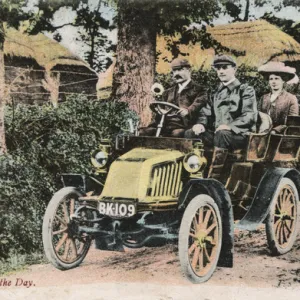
x: 187, y: 95
x: 233, y: 111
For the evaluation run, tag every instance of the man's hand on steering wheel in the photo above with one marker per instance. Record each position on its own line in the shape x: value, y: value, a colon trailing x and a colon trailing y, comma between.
x: 183, y: 112
x: 165, y: 108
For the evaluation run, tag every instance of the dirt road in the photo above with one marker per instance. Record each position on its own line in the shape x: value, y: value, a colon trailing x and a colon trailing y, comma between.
x: 254, y: 270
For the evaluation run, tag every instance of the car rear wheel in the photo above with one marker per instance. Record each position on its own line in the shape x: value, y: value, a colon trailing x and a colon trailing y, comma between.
x: 64, y: 247
x: 282, y: 220
x: 200, y: 239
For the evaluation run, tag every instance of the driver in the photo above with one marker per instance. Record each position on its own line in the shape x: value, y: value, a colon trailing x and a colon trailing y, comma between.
x: 187, y: 95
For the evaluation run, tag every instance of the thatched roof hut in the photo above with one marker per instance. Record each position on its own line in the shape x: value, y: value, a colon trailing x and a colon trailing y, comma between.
x: 257, y: 41
x: 38, y: 67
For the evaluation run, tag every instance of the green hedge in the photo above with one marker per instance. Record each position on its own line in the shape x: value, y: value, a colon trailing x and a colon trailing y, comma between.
x: 42, y: 143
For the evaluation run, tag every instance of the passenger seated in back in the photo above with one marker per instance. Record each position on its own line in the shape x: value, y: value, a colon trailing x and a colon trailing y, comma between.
x: 278, y: 103
x: 234, y: 108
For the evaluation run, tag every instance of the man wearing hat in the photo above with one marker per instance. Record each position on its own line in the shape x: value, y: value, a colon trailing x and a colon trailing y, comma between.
x: 186, y: 94
x: 278, y: 103
x: 233, y: 110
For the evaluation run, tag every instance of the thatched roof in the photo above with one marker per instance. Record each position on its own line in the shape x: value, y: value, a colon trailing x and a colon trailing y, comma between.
x: 47, y: 53
x: 259, y: 40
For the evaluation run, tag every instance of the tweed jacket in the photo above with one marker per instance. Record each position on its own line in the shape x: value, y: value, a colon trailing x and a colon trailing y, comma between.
x: 233, y: 105
x: 285, y: 105
x: 193, y: 97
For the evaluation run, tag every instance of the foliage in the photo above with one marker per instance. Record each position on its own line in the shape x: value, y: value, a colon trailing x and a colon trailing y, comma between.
x: 59, y: 138
x: 11, y: 11
x: 250, y: 76
x: 44, y: 142
x: 88, y: 20
x: 25, y: 186
x: 241, y: 10
x: 184, y: 15
x: 90, y: 24
x: 189, y: 18
x: 17, y: 262
x: 41, y: 16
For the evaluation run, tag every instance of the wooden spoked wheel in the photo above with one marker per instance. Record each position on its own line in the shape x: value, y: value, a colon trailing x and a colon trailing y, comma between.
x: 64, y: 246
x: 282, y: 221
x: 200, y: 239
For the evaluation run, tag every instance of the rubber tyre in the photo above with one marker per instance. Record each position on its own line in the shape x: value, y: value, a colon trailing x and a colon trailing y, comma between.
x: 187, y: 242
x: 280, y: 238
x: 50, y: 220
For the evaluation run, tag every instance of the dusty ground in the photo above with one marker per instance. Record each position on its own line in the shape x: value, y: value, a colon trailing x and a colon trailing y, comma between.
x: 154, y: 273
x: 253, y: 267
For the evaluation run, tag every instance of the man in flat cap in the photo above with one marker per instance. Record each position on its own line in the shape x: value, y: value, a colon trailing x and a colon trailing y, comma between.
x: 234, y: 114
x: 187, y: 95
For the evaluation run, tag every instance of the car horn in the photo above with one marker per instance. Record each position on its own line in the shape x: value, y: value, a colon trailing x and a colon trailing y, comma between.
x: 157, y: 89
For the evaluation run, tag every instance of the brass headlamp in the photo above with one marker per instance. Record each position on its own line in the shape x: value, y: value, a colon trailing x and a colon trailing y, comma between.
x: 100, y: 156
x: 195, y: 162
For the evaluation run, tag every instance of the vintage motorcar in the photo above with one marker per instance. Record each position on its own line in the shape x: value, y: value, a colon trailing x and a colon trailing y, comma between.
x: 155, y: 190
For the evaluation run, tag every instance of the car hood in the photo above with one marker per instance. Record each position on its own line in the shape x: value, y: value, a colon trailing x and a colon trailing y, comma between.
x: 130, y: 175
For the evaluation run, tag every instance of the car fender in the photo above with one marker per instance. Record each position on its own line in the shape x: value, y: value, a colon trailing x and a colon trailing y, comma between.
x: 83, y: 183
x: 217, y: 191
x: 260, y: 205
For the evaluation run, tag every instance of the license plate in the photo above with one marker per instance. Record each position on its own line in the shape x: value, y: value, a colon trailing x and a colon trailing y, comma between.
x: 116, y: 209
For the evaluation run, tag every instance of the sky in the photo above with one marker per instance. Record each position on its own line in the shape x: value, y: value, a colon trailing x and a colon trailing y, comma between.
x: 257, y: 12
x: 69, y: 33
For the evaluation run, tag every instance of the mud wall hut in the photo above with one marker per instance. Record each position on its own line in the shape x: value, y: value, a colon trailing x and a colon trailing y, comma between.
x: 38, y: 69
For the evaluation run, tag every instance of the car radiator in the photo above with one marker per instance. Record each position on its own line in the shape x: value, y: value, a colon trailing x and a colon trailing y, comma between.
x: 166, y: 180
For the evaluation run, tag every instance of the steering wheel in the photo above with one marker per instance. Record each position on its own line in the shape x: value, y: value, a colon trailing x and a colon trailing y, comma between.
x: 164, y: 108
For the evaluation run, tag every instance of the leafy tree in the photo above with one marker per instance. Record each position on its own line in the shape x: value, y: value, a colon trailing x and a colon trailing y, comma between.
x: 139, y: 22
x: 91, y: 24
x: 240, y: 10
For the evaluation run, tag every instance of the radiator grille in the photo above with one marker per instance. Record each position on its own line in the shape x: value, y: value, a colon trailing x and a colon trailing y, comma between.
x: 166, y: 180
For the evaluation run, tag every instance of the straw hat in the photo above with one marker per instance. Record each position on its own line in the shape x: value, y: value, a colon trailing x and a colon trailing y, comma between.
x: 278, y: 68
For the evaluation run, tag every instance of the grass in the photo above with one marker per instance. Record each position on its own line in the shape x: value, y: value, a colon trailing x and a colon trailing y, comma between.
x: 17, y: 262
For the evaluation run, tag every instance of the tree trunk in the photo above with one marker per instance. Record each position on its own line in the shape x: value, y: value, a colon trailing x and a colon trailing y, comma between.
x: 246, y: 17
x: 2, y: 91
x: 136, y: 50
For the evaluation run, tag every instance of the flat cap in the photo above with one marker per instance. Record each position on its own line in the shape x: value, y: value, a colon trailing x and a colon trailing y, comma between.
x: 223, y: 59
x: 179, y: 63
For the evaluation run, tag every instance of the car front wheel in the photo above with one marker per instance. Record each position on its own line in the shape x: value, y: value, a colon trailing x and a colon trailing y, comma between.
x: 64, y: 247
x: 200, y: 239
